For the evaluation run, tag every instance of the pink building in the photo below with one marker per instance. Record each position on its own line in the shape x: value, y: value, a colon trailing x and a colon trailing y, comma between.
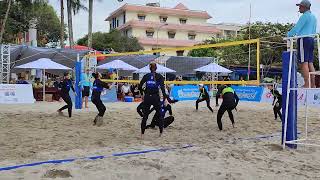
x: 159, y: 27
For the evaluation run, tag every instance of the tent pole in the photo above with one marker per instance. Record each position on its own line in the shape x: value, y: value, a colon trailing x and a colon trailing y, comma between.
x: 44, y: 85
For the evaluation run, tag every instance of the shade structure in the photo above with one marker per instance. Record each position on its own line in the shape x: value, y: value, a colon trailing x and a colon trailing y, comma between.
x: 43, y: 63
x: 79, y: 47
x: 117, y: 64
x: 213, y: 68
x: 160, y: 69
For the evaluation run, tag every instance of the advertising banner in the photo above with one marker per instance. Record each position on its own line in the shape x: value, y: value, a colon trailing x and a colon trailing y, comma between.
x: 16, y: 94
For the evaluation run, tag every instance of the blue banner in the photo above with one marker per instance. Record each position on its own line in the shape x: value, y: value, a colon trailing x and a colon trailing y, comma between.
x: 249, y: 93
x: 106, y: 96
x: 110, y: 96
x: 186, y: 92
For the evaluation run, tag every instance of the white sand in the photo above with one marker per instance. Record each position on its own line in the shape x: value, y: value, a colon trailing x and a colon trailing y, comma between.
x: 31, y: 133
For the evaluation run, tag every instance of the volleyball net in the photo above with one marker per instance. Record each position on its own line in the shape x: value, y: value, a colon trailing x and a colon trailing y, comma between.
x: 187, y: 65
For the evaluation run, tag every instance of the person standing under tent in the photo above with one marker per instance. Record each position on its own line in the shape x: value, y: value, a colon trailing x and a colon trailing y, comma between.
x: 153, y: 81
x: 65, y: 86
x: 85, y: 84
x: 97, y: 89
x: 204, y: 96
x: 277, y: 101
x: 307, y: 25
x: 230, y: 101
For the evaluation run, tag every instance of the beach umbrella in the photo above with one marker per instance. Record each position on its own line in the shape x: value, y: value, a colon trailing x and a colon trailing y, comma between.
x: 43, y: 63
x: 118, y: 65
x: 213, y: 68
x: 160, y: 69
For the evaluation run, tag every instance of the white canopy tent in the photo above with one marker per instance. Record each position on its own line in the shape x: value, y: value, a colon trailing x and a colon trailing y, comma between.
x: 213, y: 68
x: 160, y: 69
x: 43, y: 63
x: 117, y: 64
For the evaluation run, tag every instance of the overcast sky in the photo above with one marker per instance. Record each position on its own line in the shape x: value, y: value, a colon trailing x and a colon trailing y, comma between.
x: 228, y: 11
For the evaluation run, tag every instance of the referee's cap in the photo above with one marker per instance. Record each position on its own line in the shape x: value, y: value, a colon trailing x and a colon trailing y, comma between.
x: 305, y: 3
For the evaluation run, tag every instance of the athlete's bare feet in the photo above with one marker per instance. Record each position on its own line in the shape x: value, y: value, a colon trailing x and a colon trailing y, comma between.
x: 60, y: 112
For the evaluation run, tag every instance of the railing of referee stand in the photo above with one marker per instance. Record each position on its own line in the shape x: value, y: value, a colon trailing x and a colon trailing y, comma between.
x: 290, y: 46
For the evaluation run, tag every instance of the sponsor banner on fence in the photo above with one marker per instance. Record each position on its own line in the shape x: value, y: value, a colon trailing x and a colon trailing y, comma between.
x: 106, y: 95
x: 16, y: 94
x: 109, y: 95
x: 312, y: 97
x: 186, y: 92
x: 248, y: 93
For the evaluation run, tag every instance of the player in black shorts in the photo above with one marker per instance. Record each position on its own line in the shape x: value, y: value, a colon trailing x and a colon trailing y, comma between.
x: 204, y: 96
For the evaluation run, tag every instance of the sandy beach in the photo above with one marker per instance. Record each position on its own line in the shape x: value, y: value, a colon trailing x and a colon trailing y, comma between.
x: 33, y: 133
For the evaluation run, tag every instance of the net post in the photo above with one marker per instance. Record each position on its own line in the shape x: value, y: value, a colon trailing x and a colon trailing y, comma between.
x: 258, y: 61
x: 78, y: 99
x: 289, y: 100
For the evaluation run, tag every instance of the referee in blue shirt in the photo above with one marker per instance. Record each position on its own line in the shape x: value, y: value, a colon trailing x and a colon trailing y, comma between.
x: 307, y: 25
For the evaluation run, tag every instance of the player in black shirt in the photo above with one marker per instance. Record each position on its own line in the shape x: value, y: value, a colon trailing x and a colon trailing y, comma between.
x: 277, y: 102
x: 153, y: 82
x: 204, y: 96
x: 230, y: 101
x: 165, y: 107
x: 97, y: 88
x: 65, y: 86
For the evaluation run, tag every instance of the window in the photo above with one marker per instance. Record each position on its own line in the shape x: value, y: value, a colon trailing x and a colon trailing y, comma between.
x: 124, y: 17
x: 113, y: 22
x: 117, y: 22
x: 163, y: 19
x: 150, y: 33
x: 180, y: 53
x: 191, y: 36
x: 110, y: 26
x: 171, y: 35
x: 141, y: 17
x: 183, y: 21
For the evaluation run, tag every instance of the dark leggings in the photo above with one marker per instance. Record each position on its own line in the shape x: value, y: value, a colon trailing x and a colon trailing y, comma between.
x: 277, y: 111
x: 151, y: 100
x: 100, y: 106
x: 217, y: 99
x: 166, y: 121
x: 223, y: 108
x: 67, y: 99
x: 208, y: 103
x: 140, y: 109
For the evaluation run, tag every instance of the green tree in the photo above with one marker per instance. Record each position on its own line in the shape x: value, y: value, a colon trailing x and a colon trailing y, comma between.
x: 3, y: 24
x: 115, y: 40
x: 22, y: 12
x: 48, y: 25
x: 272, y: 45
x: 73, y: 6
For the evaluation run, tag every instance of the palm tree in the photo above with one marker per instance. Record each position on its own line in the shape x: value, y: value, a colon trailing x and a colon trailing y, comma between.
x: 62, y: 24
x: 3, y: 25
x: 90, y: 24
x: 70, y: 29
x: 73, y: 6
